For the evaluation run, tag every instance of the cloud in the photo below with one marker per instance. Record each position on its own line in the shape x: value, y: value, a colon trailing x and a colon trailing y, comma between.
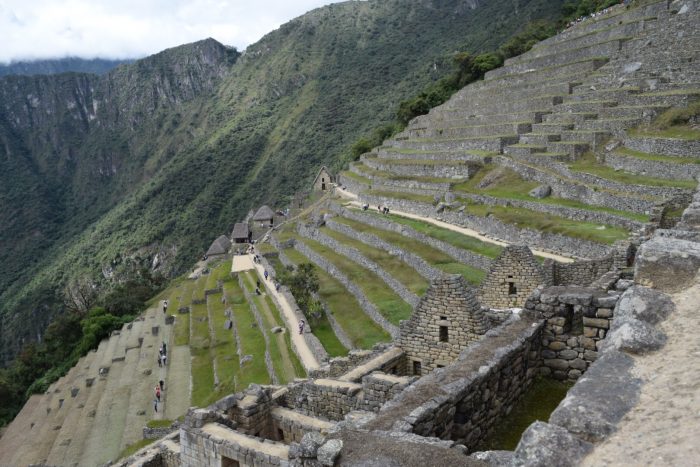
x: 35, y: 29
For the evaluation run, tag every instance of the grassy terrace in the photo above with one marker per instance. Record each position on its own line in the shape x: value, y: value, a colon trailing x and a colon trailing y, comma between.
x: 448, y: 236
x: 388, y: 303
x: 675, y: 131
x: 473, y: 152
x: 401, y: 271
x: 509, y: 185
x: 362, y: 331
x: 588, y: 164
x: 223, y: 346
x: 370, y: 172
x: 657, y: 157
x: 284, y: 361
x: 179, y: 297
x: 431, y: 255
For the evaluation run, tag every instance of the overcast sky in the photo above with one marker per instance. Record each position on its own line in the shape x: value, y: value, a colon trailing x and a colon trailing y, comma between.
x: 31, y: 29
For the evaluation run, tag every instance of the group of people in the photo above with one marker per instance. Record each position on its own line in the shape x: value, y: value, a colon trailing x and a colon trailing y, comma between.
x: 158, y: 389
x: 595, y: 14
x: 383, y: 209
x: 162, y: 361
x: 162, y: 355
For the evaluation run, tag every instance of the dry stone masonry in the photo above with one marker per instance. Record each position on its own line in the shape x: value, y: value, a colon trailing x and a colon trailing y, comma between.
x: 513, y: 276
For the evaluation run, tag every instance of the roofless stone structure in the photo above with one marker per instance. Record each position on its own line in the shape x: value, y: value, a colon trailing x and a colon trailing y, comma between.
x: 512, y: 278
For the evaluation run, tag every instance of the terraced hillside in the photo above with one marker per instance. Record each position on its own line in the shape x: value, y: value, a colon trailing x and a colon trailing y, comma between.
x: 100, y: 407
x: 577, y: 118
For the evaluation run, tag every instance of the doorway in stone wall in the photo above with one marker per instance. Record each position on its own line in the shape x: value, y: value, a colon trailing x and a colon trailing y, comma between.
x: 228, y: 462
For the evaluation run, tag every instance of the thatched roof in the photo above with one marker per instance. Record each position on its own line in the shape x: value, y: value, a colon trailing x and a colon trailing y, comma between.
x: 264, y: 214
x: 240, y: 230
x: 220, y: 246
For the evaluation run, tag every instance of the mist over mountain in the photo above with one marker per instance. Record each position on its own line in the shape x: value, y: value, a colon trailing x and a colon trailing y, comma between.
x: 98, y: 66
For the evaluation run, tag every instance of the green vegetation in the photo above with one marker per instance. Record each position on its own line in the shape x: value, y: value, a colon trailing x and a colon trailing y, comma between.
x: 589, y: 164
x: 362, y: 331
x: 162, y: 423
x: 431, y: 255
x: 132, y: 448
x: 676, y: 116
x: 321, y: 327
x: 538, y: 402
x: 389, y: 304
x: 449, y: 236
x: 657, y: 157
x: 402, y: 195
x: 303, y: 283
x: 398, y: 269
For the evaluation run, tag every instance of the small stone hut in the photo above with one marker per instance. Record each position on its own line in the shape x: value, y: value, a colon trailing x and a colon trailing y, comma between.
x: 514, y: 274
x: 447, y: 319
x: 241, y: 233
x: 323, y: 180
x: 219, y: 247
x: 265, y: 216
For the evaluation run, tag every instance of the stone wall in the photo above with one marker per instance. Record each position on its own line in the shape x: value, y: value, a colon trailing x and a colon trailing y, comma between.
x: 652, y: 168
x: 415, y: 261
x: 512, y: 278
x: 579, y: 272
x: 494, y: 228
x: 325, y: 398
x: 354, y: 255
x: 447, y: 320
x: 291, y: 427
x: 577, y: 321
x: 338, y: 366
x: 666, y: 146
x: 379, y: 387
x: 464, y: 256
x: 367, y: 306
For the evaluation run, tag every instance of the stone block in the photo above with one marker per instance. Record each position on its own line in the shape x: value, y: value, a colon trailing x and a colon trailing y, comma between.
x: 568, y: 354
x: 578, y: 364
x: 557, y: 364
x: 644, y: 304
x: 545, y: 444
x: 635, y: 336
x: 556, y: 345
x: 667, y: 264
x: 596, y: 323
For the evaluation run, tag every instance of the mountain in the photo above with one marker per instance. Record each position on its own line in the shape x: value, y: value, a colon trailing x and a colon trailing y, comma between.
x: 98, y: 66
x: 159, y: 157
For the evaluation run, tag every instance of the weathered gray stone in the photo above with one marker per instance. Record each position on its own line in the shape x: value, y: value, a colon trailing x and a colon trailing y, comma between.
x: 329, y: 451
x: 543, y: 444
x: 310, y: 444
x: 634, y: 336
x: 668, y: 264
x: 541, y: 191
x: 644, y: 304
x: 495, y: 458
x: 594, y: 406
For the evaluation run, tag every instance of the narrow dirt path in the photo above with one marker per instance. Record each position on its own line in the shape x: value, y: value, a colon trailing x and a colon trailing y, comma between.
x: 305, y: 354
x: 455, y: 228
x: 662, y: 429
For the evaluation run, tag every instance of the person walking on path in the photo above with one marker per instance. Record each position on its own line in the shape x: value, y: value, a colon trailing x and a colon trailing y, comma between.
x: 160, y: 360
x: 164, y: 358
x: 266, y: 275
x: 155, y: 405
x: 161, y: 383
x: 165, y: 306
x: 165, y: 348
x: 157, y: 390
x: 301, y: 326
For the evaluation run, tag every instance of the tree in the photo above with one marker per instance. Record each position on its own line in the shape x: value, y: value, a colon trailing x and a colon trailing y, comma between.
x: 80, y: 295
x: 303, y: 283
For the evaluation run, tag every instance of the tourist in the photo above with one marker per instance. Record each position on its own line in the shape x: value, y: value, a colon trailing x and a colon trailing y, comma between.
x: 165, y: 359
x: 301, y: 326
x: 165, y: 351
x: 155, y: 405
x: 257, y: 283
x: 257, y: 291
x: 266, y: 275
x: 165, y: 306
x: 160, y: 360
x: 157, y: 390
x: 161, y: 383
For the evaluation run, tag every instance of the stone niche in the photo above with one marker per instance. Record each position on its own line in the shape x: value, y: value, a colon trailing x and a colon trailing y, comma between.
x: 513, y: 276
x: 447, y: 319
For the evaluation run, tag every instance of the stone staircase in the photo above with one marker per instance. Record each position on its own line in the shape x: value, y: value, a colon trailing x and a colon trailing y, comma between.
x: 547, y: 109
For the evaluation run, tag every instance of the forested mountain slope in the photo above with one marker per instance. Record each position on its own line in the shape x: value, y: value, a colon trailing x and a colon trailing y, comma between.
x: 60, y: 65
x: 163, y: 155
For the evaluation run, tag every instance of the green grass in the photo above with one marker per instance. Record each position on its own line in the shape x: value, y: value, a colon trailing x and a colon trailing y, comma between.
x: 360, y: 328
x: 321, y: 327
x: 398, y: 269
x: 657, y: 157
x: 223, y: 346
x: 132, y: 448
x: 164, y: 423
x: 431, y: 255
x: 511, y: 186
x: 182, y: 296
x: 388, y: 303
x: 448, y: 236
x: 252, y: 341
x: 525, y: 218
x: 202, y: 377
x: 674, y: 131
x: 588, y: 164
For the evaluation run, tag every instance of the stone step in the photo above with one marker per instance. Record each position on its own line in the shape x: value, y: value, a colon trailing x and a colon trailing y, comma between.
x: 672, y: 98
x: 570, y: 117
x: 585, y: 106
x: 593, y: 137
x: 458, y: 155
x: 427, y: 168
x: 490, y: 143
x: 613, y: 125
x: 496, y: 106
x: 539, y: 138
x: 630, y: 111
x: 473, y: 130
x: 551, y: 127
x: 544, y: 88
x: 550, y: 156
x: 575, y: 149
x: 522, y: 149
x: 472, y: 118
x: 609, y: 48
x: 583, y: 93
x: 580, y: 68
